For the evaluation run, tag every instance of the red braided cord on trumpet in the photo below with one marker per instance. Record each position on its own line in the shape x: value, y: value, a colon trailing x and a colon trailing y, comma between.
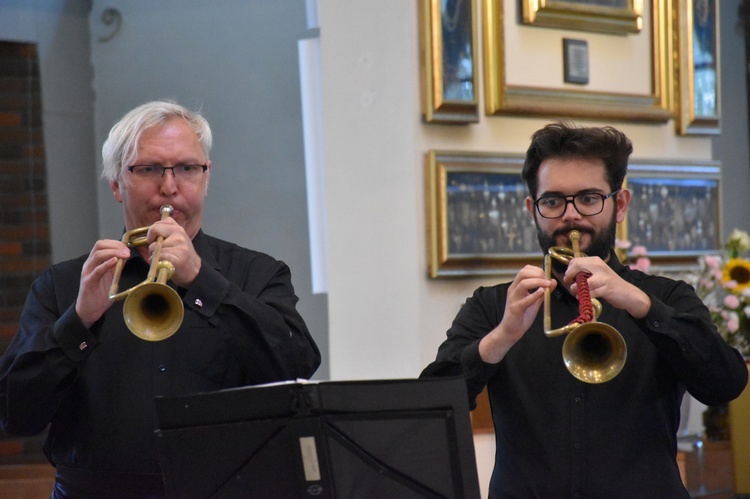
x: 584, y: 299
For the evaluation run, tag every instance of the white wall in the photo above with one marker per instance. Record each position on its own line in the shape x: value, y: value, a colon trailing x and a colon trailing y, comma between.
x: 371, y: 123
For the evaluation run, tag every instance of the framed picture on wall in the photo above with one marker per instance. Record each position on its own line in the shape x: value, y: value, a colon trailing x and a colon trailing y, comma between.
x: 698, y: 95
x: 628, y: 80
x: 675, y: 211
x: 448, y: 65
x: 476, y: 212
x: 478, y: 224
x: 608, y: 16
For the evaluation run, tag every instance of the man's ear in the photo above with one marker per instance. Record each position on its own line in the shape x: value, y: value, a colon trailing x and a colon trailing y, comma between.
x: 115, y: 186
x: 623, y: 200
x: 530, y: 206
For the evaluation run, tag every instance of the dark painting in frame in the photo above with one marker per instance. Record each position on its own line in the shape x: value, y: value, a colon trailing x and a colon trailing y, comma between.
x: 448, y: 43
x: 478, y: 223
x: 675, y: 209
x: 698, y: 63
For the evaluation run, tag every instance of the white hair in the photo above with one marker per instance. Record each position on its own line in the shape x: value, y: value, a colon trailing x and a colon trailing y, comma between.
x: 121, y: 146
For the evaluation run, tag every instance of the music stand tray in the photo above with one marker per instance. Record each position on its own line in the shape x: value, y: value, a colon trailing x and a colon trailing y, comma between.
x: 338, y: 439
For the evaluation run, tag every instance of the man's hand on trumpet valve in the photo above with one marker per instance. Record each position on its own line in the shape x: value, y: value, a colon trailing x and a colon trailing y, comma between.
x: 177, y: 248
x: 604, y: 283
x: 525, y: 297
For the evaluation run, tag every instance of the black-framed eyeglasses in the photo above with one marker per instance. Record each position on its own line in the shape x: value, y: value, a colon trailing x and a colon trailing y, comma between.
x: 587, y: 204
x: 153, y: 172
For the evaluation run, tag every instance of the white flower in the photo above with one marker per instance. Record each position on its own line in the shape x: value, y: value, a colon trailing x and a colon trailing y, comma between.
x: 739, y: 240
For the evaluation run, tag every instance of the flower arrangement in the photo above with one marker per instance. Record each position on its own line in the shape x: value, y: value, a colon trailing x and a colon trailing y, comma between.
x: 721, y: 281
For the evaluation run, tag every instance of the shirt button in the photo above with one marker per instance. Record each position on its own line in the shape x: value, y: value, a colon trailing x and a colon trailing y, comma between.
x: 162, y: 368
x: 576, y: 446
x: 655, y: 323
x: 577, y: 399
x: 198, y: 303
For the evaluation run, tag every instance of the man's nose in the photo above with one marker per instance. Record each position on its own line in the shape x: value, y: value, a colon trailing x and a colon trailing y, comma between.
x: 168, y: 183
x: 570, y: 211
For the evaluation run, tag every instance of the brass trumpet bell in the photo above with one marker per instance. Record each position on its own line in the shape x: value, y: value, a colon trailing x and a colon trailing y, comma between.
x: 594, y: 352
x: 153, y: 311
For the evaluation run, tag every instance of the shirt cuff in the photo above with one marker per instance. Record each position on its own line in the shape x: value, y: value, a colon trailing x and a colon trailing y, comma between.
x: 472, y: 363
x: 658, y: 318
x: 75, y: 340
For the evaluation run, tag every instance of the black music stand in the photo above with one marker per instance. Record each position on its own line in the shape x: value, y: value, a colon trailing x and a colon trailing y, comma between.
x: 351, y: 439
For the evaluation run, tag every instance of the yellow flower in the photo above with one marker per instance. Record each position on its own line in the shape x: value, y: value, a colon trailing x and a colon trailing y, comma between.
x: 737, y: 270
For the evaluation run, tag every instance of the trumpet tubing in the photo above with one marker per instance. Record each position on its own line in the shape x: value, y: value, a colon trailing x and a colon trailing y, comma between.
x: 593, y: 352
x: 152, y: 311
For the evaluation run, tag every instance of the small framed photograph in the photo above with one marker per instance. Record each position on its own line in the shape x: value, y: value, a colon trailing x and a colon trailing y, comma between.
x: 576, y: 61
x: 478, y: 223
x: 675, y: 209
x: 448, y: 65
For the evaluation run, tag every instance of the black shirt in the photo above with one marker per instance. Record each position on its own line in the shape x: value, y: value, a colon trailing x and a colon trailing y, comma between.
x: 96, y: 387
x: 559, y: 437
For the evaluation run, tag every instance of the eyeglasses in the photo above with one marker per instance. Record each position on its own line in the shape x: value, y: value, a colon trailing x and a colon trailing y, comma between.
x: 153, y: 172
x: 587, y: 204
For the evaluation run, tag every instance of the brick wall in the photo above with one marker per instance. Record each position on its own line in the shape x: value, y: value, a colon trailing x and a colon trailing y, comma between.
x: 24, y: 231
x: 24, y: 226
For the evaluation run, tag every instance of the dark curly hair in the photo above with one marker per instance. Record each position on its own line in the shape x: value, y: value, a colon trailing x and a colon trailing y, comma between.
x: 563, y: 140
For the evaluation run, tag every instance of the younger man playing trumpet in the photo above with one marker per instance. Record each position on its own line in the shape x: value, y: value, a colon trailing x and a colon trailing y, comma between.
x: 555, y: 435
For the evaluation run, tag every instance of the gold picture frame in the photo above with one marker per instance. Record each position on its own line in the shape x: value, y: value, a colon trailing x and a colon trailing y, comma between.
x: 507, y: 98
x: 606, y: 16
x: 477, y: 222
x: 448, y: 50
x: 698, y: 86
x: 675, y: 209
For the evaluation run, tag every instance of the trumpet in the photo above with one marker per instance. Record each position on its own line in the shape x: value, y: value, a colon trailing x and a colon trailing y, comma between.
x: 593, y: 352
x: 152, y: 310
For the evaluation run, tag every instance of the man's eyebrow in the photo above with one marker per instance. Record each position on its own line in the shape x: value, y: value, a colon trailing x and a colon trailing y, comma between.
x: 184, y: 161
x: 592, y: 190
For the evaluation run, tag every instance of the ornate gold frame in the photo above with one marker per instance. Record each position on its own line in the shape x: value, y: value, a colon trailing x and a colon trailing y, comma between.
x: 436, y: 107
x: 689, y: 86
x: 584, y: 16
x: 503, y: 98
x: 682, y: 187
x: 442, y: 224
x: 683, y: 196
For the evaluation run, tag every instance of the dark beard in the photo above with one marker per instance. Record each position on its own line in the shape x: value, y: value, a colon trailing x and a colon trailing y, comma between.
x: 601, y: 244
